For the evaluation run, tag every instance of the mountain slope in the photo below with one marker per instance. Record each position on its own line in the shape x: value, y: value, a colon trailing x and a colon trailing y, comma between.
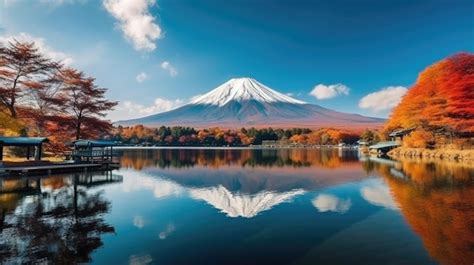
x: 243, y: 102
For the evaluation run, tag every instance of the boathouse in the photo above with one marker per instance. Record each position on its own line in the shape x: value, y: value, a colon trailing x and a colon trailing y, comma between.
x: 382, y: 148
x: 94, y: 150
x: 33, y: 145
x: 399, y: 134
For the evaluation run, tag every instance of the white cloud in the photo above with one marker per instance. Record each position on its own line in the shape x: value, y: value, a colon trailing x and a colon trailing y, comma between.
x: 129, y: 110
x: 384, y: 99
x: 41, y: 45
x: 169, y: 68
x: 378, y: 194
x: 322, y: 91
x: 136, y: 22
x: 331, y: 203
x: 141, y: 77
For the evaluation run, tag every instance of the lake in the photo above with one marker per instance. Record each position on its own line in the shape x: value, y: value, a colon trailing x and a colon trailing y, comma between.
x: 288, y: 206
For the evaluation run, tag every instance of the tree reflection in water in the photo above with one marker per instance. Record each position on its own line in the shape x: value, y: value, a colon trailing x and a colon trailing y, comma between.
x: 437, y: 201
x: 216, y: 158
x: 62, y: 223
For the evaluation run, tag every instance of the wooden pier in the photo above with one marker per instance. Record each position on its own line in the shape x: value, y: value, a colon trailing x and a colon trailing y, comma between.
x: 382, y: 148
x: 53, y: 168
x: 87, y: 155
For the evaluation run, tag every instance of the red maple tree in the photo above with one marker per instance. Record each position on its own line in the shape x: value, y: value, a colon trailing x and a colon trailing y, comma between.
x: 441, y: 99
x: 84, y: 105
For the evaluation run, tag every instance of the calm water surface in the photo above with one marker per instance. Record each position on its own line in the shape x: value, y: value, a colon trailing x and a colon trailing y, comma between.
x: 243, y: 207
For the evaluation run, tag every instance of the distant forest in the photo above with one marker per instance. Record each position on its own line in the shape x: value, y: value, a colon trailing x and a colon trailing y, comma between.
x: 186, y: 136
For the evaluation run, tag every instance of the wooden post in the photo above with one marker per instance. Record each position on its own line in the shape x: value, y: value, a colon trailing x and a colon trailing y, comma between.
x: 27, y: 153
x: 40, y: 150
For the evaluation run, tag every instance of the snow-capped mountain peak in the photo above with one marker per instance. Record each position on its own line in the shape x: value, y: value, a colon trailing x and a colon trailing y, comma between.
x: 241, y: 89
x: 245, y: 102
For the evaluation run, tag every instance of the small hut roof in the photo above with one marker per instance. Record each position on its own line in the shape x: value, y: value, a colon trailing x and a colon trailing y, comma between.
x: 22, y: 141
x: 93, y: 143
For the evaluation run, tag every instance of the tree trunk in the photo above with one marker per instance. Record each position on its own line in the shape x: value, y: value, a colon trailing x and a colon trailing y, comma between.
x: 13, y: 95
x: 78, y: 131
x: 12, y: 110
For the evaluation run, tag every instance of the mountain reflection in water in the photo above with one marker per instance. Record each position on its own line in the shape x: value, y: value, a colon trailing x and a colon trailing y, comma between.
x: 238, y: 206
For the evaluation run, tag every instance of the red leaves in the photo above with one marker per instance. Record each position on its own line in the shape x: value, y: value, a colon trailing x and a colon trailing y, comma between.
x: 52, y: 101
x: 443, y: 97
x: 22, y: 69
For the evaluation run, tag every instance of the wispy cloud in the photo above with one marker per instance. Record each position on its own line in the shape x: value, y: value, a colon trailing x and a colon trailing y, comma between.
x: 52, y: 3
x: 140, y: 259
x: 138, y: 221
x: 136, y: 22
x: 129, y: 110
x: 167, y: 66
x: 61, y: 2
x: 170, y: 228
x: 141, y: 77
x: 384, y: 99
x: 41, y: 45
x: 322, y: 91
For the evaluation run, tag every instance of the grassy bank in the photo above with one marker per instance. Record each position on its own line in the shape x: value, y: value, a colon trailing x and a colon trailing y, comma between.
x: 458, y: 155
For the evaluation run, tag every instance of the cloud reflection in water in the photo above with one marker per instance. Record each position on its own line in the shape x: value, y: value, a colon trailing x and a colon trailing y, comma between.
x: 331, y: 203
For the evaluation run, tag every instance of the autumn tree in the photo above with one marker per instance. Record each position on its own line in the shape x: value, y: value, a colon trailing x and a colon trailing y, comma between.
x: 369, y: 137
x: 22, y: 70
x: 419, y: 139
x: 441, y: 98
x: 44, y: 105
x: 84, y: 104
x: 8, y: 126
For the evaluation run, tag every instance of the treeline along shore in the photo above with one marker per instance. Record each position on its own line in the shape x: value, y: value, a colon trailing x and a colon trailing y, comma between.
x: 186, y: 136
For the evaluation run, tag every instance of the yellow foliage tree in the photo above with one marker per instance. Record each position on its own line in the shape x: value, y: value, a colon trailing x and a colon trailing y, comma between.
x: 418, y: 139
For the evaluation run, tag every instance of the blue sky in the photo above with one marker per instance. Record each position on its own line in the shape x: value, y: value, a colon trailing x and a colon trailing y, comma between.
x: 156, y: 55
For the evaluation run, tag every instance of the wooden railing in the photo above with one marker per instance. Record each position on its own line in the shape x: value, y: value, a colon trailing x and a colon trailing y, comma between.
x: 96, y: 153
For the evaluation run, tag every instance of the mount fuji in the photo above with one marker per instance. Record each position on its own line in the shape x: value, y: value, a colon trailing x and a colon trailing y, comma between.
x: 244, y: 102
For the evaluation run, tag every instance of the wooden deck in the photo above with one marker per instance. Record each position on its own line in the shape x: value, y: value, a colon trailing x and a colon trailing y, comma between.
x: 383, y: 147
x: 50, y: 168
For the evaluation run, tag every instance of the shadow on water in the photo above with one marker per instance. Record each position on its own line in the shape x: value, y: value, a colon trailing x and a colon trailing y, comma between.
x: 53, y: 219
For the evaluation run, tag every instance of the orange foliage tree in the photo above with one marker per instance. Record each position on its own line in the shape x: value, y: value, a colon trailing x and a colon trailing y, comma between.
x: 419, y: 139
x: 442, y: 98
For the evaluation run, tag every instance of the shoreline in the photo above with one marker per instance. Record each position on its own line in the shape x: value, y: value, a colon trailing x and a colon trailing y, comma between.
x: 229, y: 147
x: 452, y: 155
